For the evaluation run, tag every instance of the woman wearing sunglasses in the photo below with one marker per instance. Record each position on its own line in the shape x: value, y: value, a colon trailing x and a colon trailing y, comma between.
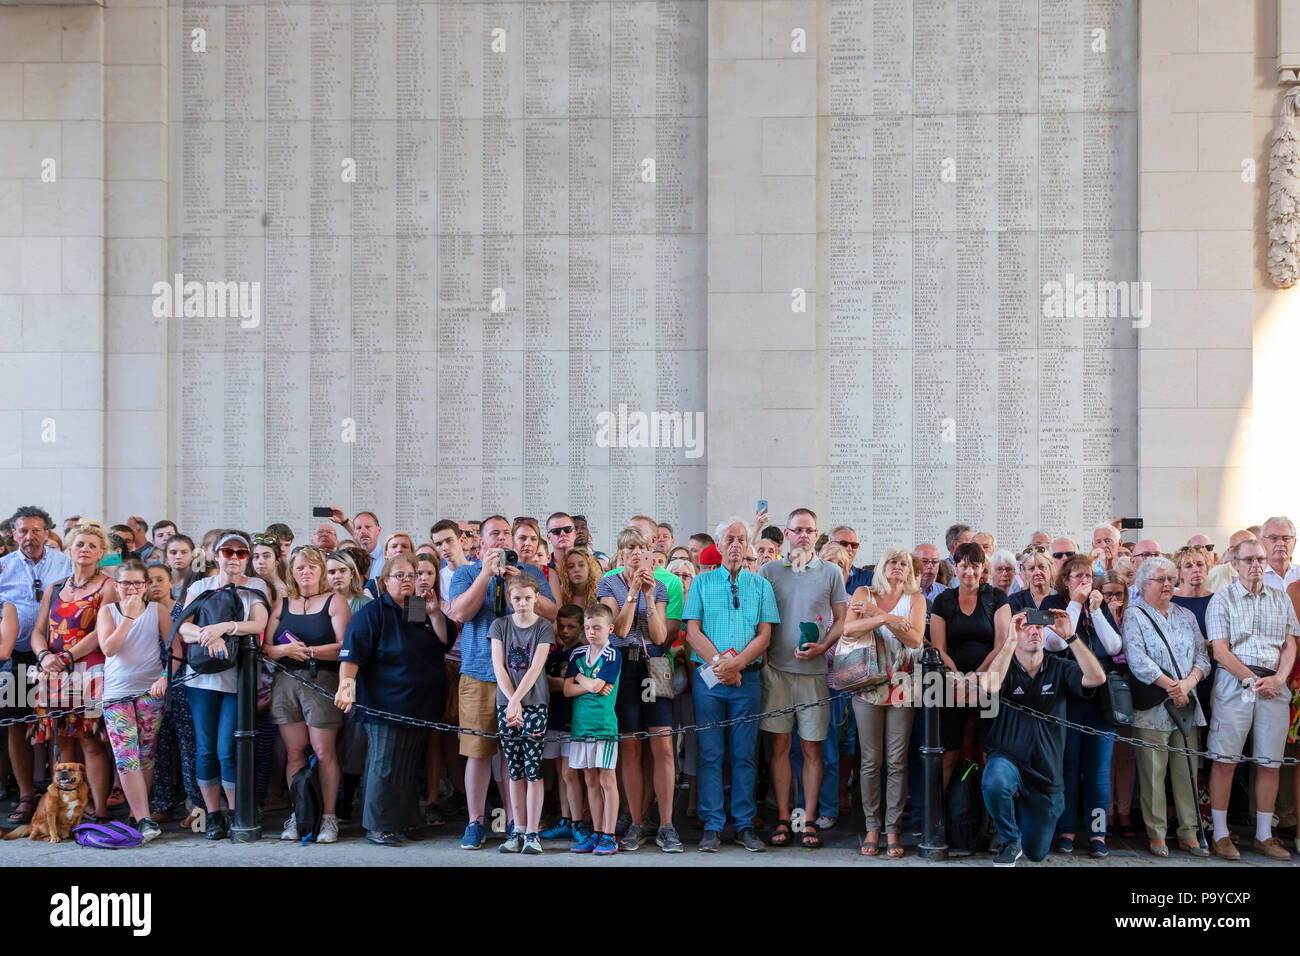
x: 212, y: 697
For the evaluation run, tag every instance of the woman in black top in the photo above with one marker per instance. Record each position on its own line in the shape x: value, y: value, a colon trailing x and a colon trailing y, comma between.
x: 395, y: 665
x: 306, y: 633
x: 968, y: 622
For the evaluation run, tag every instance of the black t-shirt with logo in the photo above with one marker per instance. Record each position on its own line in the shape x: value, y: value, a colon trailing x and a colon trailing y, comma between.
x: 1034, y: 745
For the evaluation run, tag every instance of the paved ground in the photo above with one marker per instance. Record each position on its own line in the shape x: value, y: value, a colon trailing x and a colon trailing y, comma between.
x: 441, y: 848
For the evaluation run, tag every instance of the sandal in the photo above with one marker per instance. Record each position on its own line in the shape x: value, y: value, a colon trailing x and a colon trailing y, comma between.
x: 116, y: 798
x: 780, y: 835
x: 895, y: 851
x: 18, y: 814
x: 810, y: 840
x: 871, y: 847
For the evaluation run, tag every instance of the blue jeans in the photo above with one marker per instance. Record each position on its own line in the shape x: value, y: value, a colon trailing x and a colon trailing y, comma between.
x: 1033, y: 825
x: 725, y: 703
x: 828, y: 800
x: 1086, y: 770
x: 214, y: 736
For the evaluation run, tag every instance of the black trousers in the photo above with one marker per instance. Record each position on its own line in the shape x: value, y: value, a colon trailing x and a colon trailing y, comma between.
x: 394, y: 758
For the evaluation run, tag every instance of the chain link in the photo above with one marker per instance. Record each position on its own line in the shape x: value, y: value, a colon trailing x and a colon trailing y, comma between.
x: 636, y: 735
x: 92, y: 705
x: 1138, y: 742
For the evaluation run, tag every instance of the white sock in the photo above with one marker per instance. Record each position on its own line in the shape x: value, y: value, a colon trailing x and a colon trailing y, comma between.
x: 1264, y: 826
x: 1220, y: 823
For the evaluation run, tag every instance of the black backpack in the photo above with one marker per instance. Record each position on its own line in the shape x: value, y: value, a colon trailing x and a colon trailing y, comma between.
x: 213, y: 607
x: 969, y: 825
x: 304, y: 795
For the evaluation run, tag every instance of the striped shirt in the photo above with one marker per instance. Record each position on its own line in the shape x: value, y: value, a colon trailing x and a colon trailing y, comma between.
x: 1254, y: 625
x: 712, y: 602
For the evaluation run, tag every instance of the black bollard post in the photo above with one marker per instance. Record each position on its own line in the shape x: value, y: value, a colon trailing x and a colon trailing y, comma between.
x: 934, y: 840
x: 245, y: 829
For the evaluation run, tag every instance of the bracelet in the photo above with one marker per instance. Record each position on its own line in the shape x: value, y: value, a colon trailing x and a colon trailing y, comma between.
x: 129, y: 617
x: 43, y: 654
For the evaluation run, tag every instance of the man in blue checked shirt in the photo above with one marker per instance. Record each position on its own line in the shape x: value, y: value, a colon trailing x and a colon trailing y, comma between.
x: 729, y: 609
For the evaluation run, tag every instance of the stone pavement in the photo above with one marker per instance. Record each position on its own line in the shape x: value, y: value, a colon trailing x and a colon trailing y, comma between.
x: 441, y: 848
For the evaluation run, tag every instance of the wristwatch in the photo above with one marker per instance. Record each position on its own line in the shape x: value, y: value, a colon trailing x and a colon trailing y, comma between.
x: 1072, y: 638
x: 715, y: 658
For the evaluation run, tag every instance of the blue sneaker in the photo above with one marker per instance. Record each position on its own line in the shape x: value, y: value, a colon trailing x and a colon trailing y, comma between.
x: 587, y: 845
x: 561, y: 831
x: 606, y: 846
x: 474, y: 836
x: 580, y: 831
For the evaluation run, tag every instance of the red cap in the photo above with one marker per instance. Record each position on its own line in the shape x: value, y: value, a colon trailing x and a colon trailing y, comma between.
x: 710, y: 555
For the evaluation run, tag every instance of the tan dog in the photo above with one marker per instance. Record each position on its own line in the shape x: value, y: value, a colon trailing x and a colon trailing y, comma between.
x: 60, y: 809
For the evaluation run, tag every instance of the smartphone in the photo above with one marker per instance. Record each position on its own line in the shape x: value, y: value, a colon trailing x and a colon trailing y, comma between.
x: 322, y: 513
x: 1037, y: 616
x: 415, y: 611
x: 1130, y: 524
x: 762, y: 504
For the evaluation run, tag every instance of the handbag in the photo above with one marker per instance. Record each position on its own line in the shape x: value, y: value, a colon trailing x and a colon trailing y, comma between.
x: 660, y: 671
x: 213, y: 607
x: 1183, y: 716
x: 1117, y: 702
x: 860, y: 662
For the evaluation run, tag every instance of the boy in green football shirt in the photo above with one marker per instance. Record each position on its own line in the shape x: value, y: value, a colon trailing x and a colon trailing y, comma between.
x: 592, y: 680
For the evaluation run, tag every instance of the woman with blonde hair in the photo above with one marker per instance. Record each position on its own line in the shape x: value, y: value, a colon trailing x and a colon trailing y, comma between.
x: 345, y: 580
x: 892, y: 611
x: 65, y: 641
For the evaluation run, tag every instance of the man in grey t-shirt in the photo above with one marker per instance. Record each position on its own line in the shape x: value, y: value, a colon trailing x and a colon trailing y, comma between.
x: 808, y: 591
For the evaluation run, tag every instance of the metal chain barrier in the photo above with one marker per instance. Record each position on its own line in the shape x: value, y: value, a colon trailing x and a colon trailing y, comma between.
x: 91, y: 705
x: 1138, y: 742
x: 636, y: 735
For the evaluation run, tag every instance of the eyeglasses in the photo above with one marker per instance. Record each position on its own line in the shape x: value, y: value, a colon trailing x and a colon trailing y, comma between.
x: 1255, y: 560
x: 1162, y: 579
x: 735, y: 596
x: 1146, y: 554
x: 1112, y: 595
x: 132, y: 584
x: 851, y: 545
x: 232, y: 552
x: 556, y: 532
x: 802, y: 530
x: 1271, y: 538
x: 930, y: 562
x: 1060, y: 555
x: 406, y: 576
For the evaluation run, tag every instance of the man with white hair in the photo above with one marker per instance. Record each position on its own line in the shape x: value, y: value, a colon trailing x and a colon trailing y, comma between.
x: 1252, y: 629
x: 1105, y: 544
x: 927, y: 582
x: 1277, y: 535
x: 729, y: 616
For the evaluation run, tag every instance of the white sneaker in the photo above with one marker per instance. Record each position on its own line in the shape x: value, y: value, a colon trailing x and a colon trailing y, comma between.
x: 290, y: 831
x: 329, y: 829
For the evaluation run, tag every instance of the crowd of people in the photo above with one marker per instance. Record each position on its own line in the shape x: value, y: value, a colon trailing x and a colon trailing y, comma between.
x: 751, y: 665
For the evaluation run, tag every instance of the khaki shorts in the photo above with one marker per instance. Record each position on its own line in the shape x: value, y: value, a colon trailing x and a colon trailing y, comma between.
x: 478, y: 711
x: 782, y: 689
x: 1234, y: 715
x: 295, y: 703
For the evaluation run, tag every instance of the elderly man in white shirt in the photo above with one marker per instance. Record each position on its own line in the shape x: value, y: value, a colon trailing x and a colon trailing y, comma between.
x: 1277, y: 535
x: 1252, y: 629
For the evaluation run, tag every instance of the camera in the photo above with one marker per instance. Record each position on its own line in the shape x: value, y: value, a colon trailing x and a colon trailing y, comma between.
x: 510, y: 558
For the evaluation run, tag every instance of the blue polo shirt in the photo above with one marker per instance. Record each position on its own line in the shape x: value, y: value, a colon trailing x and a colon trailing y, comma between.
x: 17, y: 576
x: 475, y: 645
x: 712, y: 602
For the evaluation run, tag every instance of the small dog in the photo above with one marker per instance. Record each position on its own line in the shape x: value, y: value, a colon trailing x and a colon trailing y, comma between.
x: 60, y: 809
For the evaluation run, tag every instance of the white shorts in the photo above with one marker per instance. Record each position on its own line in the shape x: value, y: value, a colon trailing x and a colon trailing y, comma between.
x: 557, y: 744
x: 593, y: 754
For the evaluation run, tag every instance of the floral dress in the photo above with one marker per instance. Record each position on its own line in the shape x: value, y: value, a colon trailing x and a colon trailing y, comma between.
x: 70, y: 622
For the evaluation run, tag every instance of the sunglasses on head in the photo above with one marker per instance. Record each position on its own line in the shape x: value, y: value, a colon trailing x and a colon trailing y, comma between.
x: 305, y: 547
x: 266, y: 540
x: 233, y: 552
